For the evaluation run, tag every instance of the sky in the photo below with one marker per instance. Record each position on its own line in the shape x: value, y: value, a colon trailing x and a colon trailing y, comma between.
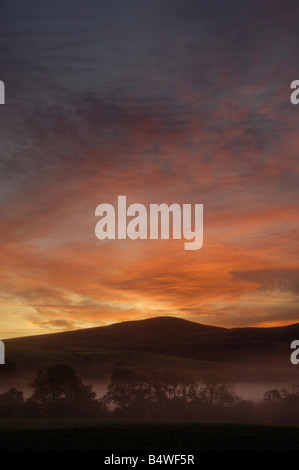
x: 168, y: 101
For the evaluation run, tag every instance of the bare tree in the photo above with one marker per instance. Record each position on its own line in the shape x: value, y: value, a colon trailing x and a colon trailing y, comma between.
x: 217, y: 392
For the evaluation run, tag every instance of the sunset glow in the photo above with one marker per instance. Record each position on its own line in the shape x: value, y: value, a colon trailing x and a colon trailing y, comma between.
x: 160, y: 113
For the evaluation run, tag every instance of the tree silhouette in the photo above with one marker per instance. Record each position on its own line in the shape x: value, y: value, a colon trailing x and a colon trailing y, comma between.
x: 57, y: 381
x: 60, y: 391
x: 272, y: 396
x: 11, y: 403
x: 138, y: 395
x: 126, y: 388
x: 170, y: 386
x: 217, y: 392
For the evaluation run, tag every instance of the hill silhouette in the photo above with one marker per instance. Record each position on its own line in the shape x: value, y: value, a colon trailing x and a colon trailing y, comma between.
x: 177, y: 337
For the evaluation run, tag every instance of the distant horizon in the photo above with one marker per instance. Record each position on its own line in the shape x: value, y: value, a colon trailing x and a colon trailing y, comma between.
x: 144, y: 319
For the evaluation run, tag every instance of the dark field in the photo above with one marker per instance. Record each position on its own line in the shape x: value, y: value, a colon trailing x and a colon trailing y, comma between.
x: 78, y: 434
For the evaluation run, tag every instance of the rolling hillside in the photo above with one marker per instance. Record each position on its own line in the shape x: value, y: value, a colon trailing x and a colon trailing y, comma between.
x: 176, y: 337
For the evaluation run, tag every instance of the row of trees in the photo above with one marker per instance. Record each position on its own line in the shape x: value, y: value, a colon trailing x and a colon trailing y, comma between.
x: 57, y: 391
x: 128, y: 391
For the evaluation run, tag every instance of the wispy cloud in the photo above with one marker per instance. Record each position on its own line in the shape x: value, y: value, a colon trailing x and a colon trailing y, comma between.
x: 176, y: 101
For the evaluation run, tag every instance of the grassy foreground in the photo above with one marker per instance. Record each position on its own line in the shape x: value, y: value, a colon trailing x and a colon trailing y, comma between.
x: 77, y: 434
